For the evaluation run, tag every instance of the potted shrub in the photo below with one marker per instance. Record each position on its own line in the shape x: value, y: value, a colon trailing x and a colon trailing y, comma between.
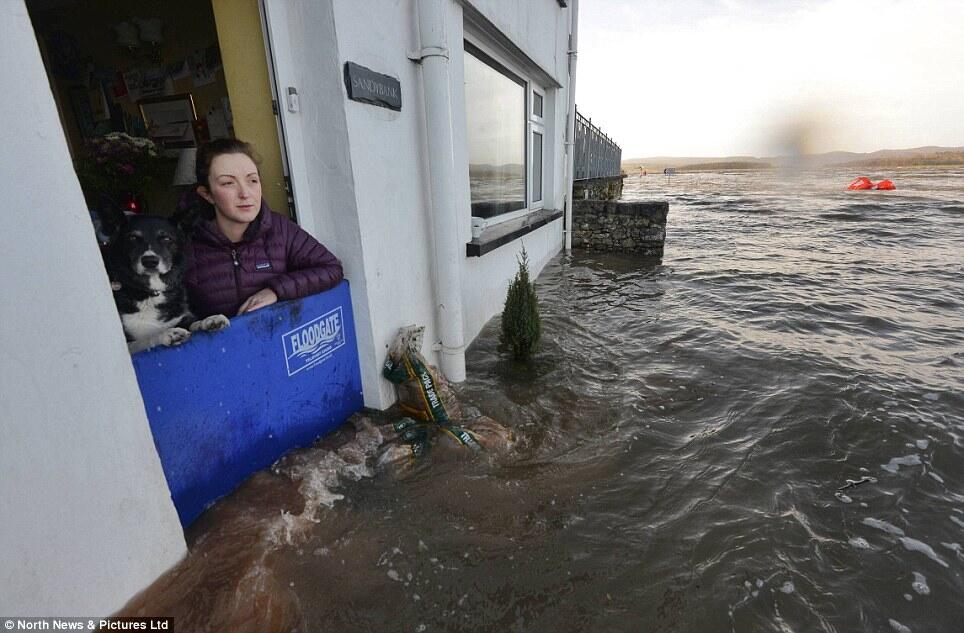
x: 521, y: 327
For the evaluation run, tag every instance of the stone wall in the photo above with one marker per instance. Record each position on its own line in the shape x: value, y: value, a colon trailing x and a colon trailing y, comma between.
x: 608, y: 188
x: 629, y: 227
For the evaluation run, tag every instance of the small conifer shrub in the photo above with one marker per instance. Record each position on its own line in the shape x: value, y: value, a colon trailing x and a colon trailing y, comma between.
x: 521, y: 327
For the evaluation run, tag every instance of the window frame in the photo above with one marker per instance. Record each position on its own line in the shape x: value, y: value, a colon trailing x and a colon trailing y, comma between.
x: 537, y: 90
x: 535, y: 124
x: 531, y: 124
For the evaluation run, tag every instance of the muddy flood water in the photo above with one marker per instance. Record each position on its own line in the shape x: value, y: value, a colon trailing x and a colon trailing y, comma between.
x: 686, y: 438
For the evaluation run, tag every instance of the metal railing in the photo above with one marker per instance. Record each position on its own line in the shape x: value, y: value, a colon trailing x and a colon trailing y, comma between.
x: 596, y: 155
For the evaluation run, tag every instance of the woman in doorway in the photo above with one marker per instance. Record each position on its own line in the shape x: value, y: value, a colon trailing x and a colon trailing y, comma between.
x: 243, y: 256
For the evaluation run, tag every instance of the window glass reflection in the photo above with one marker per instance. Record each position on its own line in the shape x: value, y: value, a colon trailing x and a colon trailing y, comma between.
x: 536, y: 166
x: 496, y: 112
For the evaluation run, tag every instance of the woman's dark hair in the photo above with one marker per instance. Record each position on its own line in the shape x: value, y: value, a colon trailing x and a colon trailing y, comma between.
x: 202, y: 169
x: 212, y: 149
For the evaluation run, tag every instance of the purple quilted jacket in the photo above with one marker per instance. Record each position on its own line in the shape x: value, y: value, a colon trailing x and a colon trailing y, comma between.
x: 274, y: 253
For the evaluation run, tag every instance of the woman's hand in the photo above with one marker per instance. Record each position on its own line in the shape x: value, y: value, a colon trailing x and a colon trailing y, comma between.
x: 258, y: 300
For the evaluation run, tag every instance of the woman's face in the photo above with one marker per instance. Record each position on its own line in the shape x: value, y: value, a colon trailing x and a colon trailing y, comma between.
x: 234, y: 188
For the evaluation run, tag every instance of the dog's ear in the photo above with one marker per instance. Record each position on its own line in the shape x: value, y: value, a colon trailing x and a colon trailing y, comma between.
x: 187, y: 221
x: 112, y: 218
x: 187, y: 216
x: 180, y: 235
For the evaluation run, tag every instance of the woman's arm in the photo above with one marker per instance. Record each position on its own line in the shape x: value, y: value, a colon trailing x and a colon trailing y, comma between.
x: 311, y: 267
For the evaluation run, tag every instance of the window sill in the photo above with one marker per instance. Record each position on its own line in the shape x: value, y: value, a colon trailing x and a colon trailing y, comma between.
x: 504, y: 232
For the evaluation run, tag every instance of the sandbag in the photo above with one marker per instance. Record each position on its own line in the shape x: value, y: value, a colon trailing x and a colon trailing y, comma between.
x: 410, y: 442
x: 421, y: 392
x: 435, y: 421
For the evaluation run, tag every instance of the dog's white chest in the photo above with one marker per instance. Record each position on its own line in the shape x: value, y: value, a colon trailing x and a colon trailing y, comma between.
x: 146, y: 321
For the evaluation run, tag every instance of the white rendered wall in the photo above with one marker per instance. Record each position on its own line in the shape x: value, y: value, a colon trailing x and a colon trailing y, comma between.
x: 390, y: 167
x: 365, y: 169
x: 86, y: 518
x: 305, y: 47
x: 540, y: 29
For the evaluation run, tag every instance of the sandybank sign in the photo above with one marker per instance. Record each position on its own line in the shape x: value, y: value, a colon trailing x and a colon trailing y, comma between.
x: 314, y: 342
x: 367, y: 86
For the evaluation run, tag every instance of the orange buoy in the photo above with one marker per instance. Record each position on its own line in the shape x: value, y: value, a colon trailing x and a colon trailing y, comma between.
x: 859, y: 184
x: 885, y: 185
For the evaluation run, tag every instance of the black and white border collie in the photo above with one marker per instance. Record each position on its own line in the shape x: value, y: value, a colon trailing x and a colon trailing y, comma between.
x: 145, y: 265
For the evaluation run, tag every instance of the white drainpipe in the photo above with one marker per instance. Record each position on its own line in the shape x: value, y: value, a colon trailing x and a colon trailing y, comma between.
x: 448, y: 247
x: 571, y: 118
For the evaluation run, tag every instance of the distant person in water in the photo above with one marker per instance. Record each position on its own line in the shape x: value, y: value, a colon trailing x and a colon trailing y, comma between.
x: 243, y: 256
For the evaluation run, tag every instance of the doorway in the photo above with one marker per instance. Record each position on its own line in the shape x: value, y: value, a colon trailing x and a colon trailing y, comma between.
x: 174, y: 72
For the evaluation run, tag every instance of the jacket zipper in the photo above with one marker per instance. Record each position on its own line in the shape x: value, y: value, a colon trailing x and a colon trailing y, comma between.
x: 237, y: 272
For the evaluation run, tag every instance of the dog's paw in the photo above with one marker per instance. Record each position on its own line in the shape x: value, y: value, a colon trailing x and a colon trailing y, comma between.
x: 174, y: 336
x: 212, y: 323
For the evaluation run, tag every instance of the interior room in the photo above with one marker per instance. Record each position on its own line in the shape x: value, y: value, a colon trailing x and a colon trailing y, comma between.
x: 138, y: 86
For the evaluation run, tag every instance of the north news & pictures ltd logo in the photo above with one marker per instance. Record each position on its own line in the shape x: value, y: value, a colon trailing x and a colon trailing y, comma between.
x: 86, y: 624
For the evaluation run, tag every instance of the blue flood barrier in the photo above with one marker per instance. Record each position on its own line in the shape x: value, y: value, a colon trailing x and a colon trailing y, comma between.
x: 227, y: 404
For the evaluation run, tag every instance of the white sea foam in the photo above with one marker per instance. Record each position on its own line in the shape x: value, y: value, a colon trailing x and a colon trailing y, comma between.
x: 918, y: 546
x: 859, y: 542
x: 920, y: 584
x: 320, y: 472
x: 897, y: 626
x: 922, y: 444
x: 957, y: 521
x: 896, y: 462
x: 883, y: 525
x: 788, y: 587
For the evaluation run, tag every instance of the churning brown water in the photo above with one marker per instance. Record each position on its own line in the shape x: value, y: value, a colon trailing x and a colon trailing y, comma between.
x: 687, y: 428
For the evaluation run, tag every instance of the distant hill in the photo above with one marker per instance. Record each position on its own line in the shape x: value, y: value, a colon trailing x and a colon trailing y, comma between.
x: 923, y: 159
x: 659, y: 163
x: 724, y: 166
x: 885, y: 158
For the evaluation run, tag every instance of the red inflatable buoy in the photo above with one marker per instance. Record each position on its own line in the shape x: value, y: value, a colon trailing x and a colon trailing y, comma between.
x: 859, y: 184
x: 885, y: 185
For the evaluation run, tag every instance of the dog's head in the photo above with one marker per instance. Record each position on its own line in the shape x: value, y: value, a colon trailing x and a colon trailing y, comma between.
x: 148, y: 245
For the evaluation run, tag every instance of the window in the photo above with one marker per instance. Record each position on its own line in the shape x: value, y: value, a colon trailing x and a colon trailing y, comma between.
x: 495, y: 102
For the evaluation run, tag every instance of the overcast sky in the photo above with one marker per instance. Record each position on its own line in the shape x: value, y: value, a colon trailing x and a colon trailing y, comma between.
x: 763, y: 77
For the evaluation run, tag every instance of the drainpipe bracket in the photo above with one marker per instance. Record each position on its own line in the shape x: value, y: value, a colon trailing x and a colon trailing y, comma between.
x: 446, y: 350
x: 429, y: 51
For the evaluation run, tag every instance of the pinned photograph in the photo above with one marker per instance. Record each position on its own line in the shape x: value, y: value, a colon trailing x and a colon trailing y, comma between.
x: 170, y: 120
